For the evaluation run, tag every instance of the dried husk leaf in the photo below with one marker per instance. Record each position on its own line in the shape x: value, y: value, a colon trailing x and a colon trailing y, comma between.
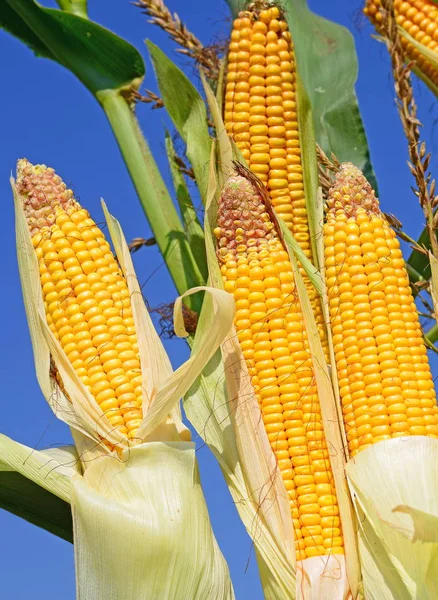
x: 394, y: 486
x: 142, y: 529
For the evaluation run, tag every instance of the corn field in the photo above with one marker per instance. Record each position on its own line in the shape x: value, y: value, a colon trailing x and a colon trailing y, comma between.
x: 226, y: 255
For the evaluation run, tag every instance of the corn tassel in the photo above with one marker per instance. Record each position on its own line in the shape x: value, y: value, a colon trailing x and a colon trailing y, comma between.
x: 385, y: 382
x: 260, y: 114
x: 256, y: 269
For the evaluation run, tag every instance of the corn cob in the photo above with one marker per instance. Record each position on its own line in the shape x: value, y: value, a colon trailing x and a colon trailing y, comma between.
x: 260, y: 114
x: 385, y: 382
x: 86, y: 298
x: 256, y: 269
x: 419, y: 18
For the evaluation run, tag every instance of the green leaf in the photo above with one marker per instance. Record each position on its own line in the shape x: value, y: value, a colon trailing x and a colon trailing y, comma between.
x: 14, y: 24
x: 76, y: 7
x: 27, y: 500
x: 99, y: 58
x: 192, y: 226
x: 36, y: 485
x: 187, y: 110
x: 327, y: 63
x: 419, y: 261
x: 310, y: 167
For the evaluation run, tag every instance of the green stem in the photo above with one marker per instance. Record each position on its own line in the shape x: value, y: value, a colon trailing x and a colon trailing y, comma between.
x: 153, y: 194
x: 75, y: 7
x: 414, y: 275
x: 432, y: 334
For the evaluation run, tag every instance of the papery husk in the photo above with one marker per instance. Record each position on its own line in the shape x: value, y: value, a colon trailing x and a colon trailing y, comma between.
x: 394, y: 485
x: 142, y: 529
x: 434, y: 283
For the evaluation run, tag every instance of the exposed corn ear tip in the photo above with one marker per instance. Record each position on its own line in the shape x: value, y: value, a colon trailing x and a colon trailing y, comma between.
x: 42, y: 192
x: 350, y: 193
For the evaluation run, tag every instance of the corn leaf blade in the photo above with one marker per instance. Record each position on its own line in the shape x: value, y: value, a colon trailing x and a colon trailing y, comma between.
x: 99, y: 58
x: 36, y: 485
x: 327, y: 64
x: 187, y: 110
x: 192, y: 226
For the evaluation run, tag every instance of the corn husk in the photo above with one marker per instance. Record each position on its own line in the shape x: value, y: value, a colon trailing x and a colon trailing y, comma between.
x: 141, y: 527
x: 394, y: 485
x: 434, y: 283
x: 430, y: 55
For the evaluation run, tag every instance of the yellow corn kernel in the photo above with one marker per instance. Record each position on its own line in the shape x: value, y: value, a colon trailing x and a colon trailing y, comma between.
x: 386, y: 387
x: 279, y: 361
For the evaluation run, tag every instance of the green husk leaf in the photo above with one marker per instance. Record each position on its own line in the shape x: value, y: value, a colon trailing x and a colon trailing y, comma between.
x: 394, y: 485
x: 187, y: 110
x: 142, y: 529
x: 419, y: 261
x: 225, y: 148
x: 35, y: 485
x: 434, y: 283
x: 310, y: 166
x: 99, y: 58
x: 192, y: 226
x: 430, y: 55
x: 327, y: 64
x: 293, y: 246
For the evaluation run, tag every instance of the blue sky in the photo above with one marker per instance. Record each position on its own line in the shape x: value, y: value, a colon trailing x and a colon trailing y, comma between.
x: 47, y: 116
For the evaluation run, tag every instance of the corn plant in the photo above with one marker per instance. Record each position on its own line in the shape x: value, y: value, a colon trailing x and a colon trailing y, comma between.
x: 308, y: 376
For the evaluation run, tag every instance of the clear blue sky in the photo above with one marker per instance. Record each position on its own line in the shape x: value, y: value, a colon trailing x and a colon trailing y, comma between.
x: 47, y: 116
